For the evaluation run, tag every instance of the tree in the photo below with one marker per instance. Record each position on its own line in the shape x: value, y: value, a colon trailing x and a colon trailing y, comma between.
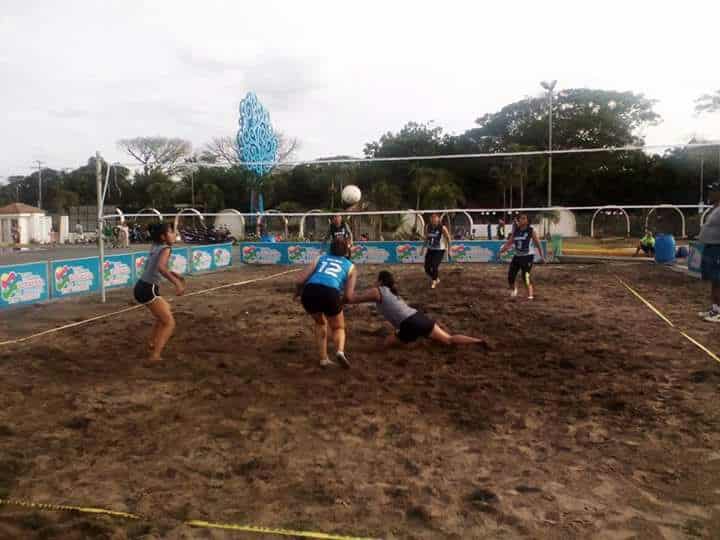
x: 211, y: 197
x: 582, y: 118
x: 227, y: 151
x: 157, y: 153
x: 708, y: 103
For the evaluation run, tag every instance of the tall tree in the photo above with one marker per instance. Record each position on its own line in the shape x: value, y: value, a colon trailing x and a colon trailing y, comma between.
x: 161, y: 154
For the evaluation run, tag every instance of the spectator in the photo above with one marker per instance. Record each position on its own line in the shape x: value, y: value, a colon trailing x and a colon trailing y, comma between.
x: 647, y: 244
x: 710, y: 266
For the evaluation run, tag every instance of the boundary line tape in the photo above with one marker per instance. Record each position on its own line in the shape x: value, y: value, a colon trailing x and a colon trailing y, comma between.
x: 196, y: 523
x: 669, y: 322
x: 132, y: 308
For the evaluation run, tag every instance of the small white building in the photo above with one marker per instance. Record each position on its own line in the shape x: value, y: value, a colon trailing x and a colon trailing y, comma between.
x: 32, y: 224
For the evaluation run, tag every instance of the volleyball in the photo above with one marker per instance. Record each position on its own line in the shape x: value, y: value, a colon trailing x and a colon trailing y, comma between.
x: 351, y: 195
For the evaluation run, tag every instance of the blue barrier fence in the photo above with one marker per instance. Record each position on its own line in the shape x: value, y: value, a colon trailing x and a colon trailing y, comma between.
x: 37, y: 282
x: 22, y: 284
x: 481, y: 251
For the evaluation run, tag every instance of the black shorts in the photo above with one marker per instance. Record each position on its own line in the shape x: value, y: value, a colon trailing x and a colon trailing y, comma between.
x: 415, y: 327
x: 321, y: 299
x: 146, y: 293
x: 648, y: 250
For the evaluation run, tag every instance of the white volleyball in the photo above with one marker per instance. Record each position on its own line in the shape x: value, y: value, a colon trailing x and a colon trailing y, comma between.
x: 351, y: 195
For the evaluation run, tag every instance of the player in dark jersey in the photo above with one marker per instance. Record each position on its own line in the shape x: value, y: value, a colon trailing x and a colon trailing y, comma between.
x: 437, y: 243
x: 339, y: 229
x: 522, y: 261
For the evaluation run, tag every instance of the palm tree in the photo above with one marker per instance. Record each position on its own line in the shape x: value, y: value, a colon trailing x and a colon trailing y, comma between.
x: 426, y: 179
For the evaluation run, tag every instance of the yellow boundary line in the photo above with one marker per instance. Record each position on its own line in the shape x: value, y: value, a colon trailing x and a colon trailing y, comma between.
x: 669, y: 322
x: 132, y: 308
x: 196, y: 523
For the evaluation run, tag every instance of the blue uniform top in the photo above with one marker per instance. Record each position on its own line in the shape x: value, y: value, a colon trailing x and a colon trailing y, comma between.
x: 522, y: 239
x: 331, y: 271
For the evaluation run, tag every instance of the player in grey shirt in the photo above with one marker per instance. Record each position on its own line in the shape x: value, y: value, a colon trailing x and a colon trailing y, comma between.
x: 409, y: 323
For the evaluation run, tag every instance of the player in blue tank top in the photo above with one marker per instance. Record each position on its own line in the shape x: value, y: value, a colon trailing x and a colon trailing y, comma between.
x: 321, y: 286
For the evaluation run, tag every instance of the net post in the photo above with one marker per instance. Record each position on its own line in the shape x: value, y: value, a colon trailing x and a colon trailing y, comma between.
x: 100, y: 221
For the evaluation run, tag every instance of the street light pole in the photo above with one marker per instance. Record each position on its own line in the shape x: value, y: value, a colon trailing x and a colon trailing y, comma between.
x: 39, y: 165
x: 549, y: 86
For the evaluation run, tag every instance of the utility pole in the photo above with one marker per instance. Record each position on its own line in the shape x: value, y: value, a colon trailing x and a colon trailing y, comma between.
x: 549, y: 86
x: 39, y: 166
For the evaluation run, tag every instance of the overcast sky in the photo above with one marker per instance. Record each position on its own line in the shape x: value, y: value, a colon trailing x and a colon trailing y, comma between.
x: 76, y: 76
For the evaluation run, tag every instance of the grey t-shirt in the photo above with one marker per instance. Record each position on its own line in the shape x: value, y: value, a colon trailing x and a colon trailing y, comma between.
x: 710, y: 232
x: 151, y: 273
x: 393, y: 308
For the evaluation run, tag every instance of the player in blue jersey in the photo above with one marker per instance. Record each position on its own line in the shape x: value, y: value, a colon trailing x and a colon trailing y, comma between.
x: 522, y: 261
x: 321, y: 287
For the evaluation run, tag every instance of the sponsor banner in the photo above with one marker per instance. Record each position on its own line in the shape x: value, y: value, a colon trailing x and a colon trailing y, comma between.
x: 118, y: 271
x: 373, y: 253
x: 408, y: 252
x: 139, y: 261
x: 200, y: 259
x: 23, y: 284
x: 222, y: 255
x: 263, y: 253
x: 304, y: 253
x: 179, y: 262
x: 75, y: 276
x: 694, y: 260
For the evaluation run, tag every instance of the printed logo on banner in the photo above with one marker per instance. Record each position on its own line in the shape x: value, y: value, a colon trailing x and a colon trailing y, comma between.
x: 178, y: 263
x: 116, y: 274
x: 694, y: 260
x: 260, y: 255
x: 201, y: 261
x: 408, y: 253
x: 73, y: 279
x: 364, y: 254
x: 303, y: 254
x: 18, y: 287
x: 471, y: 253
x: 221, y: 257
x: 140, y: 261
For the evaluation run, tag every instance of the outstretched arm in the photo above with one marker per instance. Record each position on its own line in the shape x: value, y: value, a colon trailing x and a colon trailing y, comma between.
x: 506, y: 245
x: 370, y: 295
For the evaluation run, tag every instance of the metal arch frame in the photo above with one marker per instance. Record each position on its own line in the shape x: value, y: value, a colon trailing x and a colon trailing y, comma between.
x: 301, y: 232
x: 609, y: 207
x: 183, y: 211
x: 682, y: 216
x: 467, y: 215
x: 282, y: 215
x: 153, y: 211
x: 122, y: 216
x: 237, y: 213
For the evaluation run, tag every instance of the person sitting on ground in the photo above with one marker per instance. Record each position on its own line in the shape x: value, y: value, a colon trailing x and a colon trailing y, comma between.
x: 409, y: 323
x: 647, y: 244
x: 710, y: 264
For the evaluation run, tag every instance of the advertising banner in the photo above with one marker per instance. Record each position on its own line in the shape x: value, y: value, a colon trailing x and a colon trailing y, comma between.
x: 23, y: 284
x: 118, y: 271
x: 694, y: 260
x: 75, y: 276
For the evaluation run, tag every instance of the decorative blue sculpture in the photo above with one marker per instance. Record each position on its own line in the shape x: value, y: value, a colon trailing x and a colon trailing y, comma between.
x: 256, y: 139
